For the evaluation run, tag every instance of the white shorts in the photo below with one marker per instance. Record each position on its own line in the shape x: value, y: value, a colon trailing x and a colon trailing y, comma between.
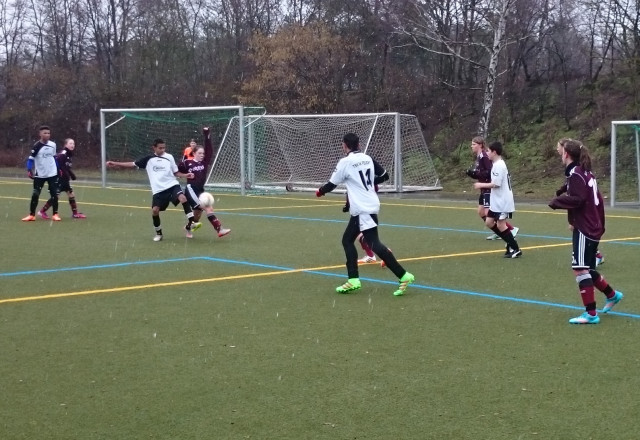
x: 366, y: 222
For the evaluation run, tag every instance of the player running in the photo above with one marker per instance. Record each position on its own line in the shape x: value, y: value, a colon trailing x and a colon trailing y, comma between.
x: 585, y: 209
x: 501, y: 205
x: 358, y: 172
x: 563, y: 188
x: 198, y: 165
x: 481, y: 171
x: 65, y: 175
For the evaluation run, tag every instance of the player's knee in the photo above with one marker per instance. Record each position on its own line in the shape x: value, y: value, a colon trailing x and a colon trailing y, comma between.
x: 377, y: 246
x: 584, y: 279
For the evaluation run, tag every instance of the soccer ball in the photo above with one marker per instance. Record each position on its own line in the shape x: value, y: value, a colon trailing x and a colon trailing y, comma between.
x: 206, y: 200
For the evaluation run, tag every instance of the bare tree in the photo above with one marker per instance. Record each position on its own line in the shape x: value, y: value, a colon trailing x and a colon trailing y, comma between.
x: 471, y: 35
x: 12, y: 32
x: 110, y: 24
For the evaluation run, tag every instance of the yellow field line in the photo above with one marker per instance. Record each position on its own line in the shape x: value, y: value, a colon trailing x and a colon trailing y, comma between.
x: 180, y: 209
x: 324, y: 203
x: 266, y: 274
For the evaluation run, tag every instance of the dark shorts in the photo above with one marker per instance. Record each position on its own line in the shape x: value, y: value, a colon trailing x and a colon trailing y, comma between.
x: 38, y: 184
x: 484, y: 199
x: 64, y: 185
x: 192, y: 193
x: 163, y: 198
x: 499, y: 215
x: 584, y: 252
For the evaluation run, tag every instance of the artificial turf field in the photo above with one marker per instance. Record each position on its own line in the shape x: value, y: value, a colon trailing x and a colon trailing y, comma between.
x: 106, y: 334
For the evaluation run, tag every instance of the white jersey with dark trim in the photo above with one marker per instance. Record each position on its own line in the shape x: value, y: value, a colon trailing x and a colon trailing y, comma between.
x: 44, y: 159
x: 356, y: 171
x: 161, y: 171
x: 501, y: 195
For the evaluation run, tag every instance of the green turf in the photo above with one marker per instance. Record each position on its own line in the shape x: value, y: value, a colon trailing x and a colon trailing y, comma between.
x: 109, y: 335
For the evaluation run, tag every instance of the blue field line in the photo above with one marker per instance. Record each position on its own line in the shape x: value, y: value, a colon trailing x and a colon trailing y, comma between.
x: 477, y: 294
x: 97, y: 266
x: 425, y: 287
x: 134, y: 263
x: 315, y: 272
x: 419, y: 227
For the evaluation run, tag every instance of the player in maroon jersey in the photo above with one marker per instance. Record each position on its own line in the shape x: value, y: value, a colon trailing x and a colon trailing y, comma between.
x: 585, y: 208
x: 65, y: 176
x: 199, y: 166
x: 563, y: 189
x: 481, y: 171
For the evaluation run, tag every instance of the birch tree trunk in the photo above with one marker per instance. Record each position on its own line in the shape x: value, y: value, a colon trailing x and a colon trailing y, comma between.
x: 492, y: 67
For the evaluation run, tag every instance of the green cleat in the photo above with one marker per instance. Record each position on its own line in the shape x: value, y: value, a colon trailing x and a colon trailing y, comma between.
x: 349, y: 286
x: 195, y: 226
x: 406, y: 279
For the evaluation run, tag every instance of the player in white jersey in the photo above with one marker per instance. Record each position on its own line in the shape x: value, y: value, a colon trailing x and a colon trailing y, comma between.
x: 360, y: 173
x: 42, y: 167
x: 501, y: 205
x: 162, y: 171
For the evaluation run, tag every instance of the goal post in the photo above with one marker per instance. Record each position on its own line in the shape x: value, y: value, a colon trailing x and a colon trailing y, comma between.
x: 299, y: 152
x: 625, y: 163
x: 127, y: 134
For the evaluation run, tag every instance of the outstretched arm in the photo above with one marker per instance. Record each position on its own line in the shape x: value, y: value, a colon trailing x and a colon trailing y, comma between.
x: 187, y: 175
x: 114, y: 164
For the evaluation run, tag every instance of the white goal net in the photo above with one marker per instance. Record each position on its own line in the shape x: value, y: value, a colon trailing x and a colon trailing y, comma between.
x: 127, y: 134
x: 299, y: 152
x: 625, y: 163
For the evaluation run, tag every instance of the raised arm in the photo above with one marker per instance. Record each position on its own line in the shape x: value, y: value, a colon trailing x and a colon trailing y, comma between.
x: 208, y: 146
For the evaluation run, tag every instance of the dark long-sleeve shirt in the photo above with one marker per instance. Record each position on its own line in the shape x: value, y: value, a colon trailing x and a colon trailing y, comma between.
x: 63, y: 159
x: 583, y: 203
x: 199, y: 169
x: 481, y: 170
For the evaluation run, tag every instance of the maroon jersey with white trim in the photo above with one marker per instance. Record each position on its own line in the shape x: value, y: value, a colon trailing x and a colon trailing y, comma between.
x: 199, y: 169
x: 63, y: 159
x: 482, y: 170
x: 583, y: 203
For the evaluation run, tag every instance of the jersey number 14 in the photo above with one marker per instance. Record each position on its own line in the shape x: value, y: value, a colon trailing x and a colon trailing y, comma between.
x: 365, y: 178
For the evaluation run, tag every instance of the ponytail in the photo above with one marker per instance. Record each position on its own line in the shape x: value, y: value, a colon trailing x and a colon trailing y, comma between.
x: 585, y: 159
x: 578, y: 153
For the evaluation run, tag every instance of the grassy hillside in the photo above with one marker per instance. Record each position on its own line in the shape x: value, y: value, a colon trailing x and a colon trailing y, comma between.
x: 530, y: 134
